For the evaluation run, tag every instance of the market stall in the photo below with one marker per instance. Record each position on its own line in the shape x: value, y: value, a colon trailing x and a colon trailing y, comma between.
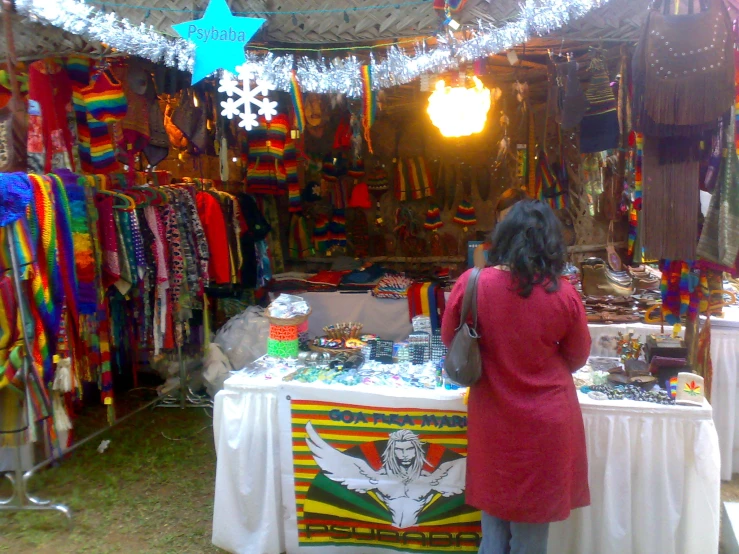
x: 645, y: 461
x: 170, y: 170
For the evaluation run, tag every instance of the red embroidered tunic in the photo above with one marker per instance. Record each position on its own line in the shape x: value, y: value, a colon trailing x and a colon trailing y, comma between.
x: 526, y: 458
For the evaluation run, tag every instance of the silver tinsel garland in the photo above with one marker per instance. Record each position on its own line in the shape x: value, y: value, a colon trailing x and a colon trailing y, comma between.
x: 537, y: 17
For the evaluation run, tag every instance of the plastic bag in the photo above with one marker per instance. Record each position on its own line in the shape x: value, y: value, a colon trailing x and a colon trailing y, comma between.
x: 216, y: 368
x: 287, y: 306
x: 243, y: 338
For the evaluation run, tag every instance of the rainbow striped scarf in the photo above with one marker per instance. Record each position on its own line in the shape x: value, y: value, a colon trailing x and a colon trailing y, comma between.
x: 412, y: 180
x: 301, y: 245
x: 46, y: 291
x: 297, y: 97
x: 638, y: 177
x: 369, y: 105
x: 677, y: 286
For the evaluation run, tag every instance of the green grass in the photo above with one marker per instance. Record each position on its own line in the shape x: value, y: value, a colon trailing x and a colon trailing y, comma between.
x: 144, y: 494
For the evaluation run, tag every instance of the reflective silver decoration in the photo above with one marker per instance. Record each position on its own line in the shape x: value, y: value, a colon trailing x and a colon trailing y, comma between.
x: 338, y: 75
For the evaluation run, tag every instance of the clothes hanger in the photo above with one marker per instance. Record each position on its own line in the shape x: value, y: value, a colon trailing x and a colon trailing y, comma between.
x: 128, y: 203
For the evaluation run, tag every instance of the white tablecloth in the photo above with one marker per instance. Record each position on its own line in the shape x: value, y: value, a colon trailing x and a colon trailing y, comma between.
x: 653, y: 472
x: 724, y: 390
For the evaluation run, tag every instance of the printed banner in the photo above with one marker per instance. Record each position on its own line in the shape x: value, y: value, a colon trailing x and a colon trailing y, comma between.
x: 380, y: 478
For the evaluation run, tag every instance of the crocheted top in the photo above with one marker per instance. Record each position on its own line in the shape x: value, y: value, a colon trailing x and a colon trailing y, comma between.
x: 15, y: 192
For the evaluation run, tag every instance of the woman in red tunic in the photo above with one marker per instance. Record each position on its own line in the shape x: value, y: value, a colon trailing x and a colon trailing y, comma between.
x: 526, y: 462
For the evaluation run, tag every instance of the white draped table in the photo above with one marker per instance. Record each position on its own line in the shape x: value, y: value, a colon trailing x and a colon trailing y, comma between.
x: 389, y: 319
x: 653, y: 472
x: 725, y: 387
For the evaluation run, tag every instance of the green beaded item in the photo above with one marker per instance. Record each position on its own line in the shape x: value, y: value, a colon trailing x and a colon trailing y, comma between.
x: 282, y: 348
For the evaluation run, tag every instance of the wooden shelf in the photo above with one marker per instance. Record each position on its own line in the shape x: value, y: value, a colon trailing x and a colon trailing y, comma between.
x: 593, y: 247
x: 396, y: 259
x: 418, y: 260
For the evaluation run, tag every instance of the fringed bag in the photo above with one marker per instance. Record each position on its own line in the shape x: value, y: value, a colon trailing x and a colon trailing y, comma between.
x: 683, y: 71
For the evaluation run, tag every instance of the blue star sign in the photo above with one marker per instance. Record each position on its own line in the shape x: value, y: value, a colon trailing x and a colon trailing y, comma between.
x: 219, y: 38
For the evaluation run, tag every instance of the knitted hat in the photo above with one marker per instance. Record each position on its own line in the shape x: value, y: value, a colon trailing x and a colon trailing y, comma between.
x: 356, y: 169
x: 599, y: 128
x: 433, y: 219
x: 465, y: 215
x: 360, y: 197
x: 377, y: 180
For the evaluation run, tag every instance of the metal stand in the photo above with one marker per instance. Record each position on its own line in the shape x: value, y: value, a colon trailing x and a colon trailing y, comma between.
x: 20, y: 500
x: 184, y: 396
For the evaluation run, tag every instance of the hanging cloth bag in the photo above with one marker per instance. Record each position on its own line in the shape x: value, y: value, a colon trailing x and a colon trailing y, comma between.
x: 13, y: 131
x: 683, y: 71
x: 190, y: 118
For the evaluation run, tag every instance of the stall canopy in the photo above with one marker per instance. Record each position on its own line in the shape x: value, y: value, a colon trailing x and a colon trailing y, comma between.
x: 311, y: 23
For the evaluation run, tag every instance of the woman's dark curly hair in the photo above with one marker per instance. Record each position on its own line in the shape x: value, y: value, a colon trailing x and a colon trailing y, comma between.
x: 529, y: 241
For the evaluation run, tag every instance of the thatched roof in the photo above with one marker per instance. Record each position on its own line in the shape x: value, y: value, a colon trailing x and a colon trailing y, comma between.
x: 346, y: 22
x: 350, y: 21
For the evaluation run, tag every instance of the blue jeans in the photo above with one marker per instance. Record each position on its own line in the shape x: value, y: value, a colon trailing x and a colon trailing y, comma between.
x: 508, y: 537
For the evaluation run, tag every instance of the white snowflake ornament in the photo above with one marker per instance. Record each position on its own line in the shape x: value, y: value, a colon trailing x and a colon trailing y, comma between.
x: 242, y: 106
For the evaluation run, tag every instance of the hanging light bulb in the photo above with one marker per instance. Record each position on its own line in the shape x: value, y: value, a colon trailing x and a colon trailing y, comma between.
x: 459, y: 111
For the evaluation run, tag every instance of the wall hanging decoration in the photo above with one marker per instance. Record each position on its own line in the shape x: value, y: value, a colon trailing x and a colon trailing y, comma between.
x: 242, y: 105
x: 219, y: 38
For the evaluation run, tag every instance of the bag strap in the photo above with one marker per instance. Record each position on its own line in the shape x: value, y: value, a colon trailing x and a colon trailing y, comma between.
x: 470, y: 300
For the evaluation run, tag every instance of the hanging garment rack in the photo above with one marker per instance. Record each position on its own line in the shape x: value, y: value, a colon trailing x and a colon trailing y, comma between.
x: 20, y: 499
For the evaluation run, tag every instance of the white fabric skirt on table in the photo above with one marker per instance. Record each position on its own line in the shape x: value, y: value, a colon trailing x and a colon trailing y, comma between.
x: 654, y: 482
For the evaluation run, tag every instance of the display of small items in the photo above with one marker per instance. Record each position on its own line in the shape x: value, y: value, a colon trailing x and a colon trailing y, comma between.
x: 628, y: 347
x: 629, y: 392
x: 438, y: 350
x: 419, y: 347
x: 371, y: 373
x: 343, y: 335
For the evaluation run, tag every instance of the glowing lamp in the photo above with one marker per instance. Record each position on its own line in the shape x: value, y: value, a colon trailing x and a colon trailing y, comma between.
x: 459, y: 111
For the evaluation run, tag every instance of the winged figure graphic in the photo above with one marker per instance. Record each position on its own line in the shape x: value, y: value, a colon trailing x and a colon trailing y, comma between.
x: 401, y: 483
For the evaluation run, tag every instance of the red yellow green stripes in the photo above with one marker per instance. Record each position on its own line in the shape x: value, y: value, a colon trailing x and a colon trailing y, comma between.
x: 638, y: 161
x: 369, y: 105
x: 296, y: 94
x: 323, y: 505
